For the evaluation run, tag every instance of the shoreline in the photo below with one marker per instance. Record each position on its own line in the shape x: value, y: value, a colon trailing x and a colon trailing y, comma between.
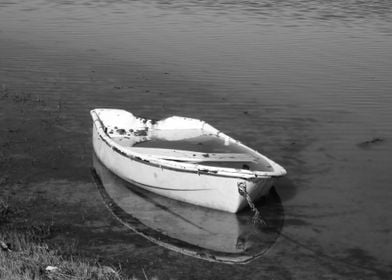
x: 315, y: 98
x: 25, y: 254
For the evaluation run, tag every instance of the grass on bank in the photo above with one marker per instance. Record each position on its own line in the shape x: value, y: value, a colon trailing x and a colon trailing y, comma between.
x: 24, y: 256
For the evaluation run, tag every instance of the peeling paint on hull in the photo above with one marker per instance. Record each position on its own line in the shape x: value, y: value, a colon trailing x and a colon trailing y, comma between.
x: 202, y: 185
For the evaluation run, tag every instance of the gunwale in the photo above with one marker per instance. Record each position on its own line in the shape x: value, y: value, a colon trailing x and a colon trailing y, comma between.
x: 186, y: 166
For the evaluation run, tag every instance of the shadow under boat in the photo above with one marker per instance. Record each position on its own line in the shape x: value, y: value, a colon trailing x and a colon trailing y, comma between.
x: 189, y: 229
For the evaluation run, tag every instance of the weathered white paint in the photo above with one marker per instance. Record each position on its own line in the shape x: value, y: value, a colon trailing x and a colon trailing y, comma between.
x: 208, y: 186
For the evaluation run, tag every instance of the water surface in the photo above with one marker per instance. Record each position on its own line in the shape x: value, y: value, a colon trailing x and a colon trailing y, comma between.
x: 305, y: 82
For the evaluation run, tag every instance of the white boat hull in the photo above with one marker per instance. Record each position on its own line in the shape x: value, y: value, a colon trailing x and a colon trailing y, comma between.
x: 177, y: 174
x: 207, y: 190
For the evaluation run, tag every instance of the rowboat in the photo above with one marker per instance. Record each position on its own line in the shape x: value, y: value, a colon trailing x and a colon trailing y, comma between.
x: 188, y: 229
x: 182, y: 158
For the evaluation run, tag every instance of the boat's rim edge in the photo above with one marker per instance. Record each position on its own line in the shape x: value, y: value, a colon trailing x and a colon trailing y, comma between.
x: 188, y: 167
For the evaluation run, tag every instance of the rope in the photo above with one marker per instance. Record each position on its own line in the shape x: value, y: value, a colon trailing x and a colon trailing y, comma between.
x: 257, y: 218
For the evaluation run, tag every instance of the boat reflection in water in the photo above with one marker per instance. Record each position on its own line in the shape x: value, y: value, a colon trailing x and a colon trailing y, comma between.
x: 189, y: 229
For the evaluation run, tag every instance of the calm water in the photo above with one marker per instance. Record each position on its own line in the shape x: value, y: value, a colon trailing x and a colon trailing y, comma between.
x: 308, y: 83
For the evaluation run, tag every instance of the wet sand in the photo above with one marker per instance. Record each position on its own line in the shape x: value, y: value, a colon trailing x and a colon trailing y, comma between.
x: 322, y: 127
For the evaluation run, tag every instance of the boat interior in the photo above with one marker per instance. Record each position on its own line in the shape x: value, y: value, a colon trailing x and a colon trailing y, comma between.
x: 180, y: 139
